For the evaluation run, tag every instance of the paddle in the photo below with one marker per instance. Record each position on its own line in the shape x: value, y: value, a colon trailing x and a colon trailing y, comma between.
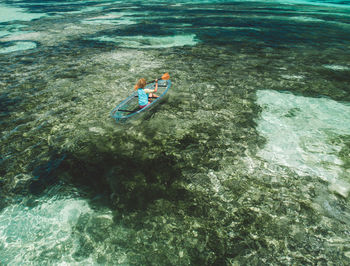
x: 165, y: 76
x: 129, y: 111
x: 148, y: 96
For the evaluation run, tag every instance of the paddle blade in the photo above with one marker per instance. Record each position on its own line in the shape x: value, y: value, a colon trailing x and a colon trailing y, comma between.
x: 166, y: 76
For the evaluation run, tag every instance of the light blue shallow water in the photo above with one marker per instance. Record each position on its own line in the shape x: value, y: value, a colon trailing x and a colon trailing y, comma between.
x: 245, y: 163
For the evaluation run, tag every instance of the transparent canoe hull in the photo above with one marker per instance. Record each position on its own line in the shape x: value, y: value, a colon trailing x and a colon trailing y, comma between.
x: 130, y: 107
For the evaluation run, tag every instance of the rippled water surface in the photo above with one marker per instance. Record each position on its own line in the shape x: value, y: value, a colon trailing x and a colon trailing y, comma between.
x: 245, y: 162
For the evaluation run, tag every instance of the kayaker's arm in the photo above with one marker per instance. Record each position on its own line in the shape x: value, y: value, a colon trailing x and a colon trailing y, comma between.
x: 155, y: 89
x: 149, y: 91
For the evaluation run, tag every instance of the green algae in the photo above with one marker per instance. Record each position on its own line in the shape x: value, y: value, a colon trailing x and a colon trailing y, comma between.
x: 344, y: 153
x: 343, y: 141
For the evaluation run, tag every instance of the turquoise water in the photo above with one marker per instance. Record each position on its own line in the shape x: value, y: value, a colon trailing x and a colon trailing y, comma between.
x: 246, y: 162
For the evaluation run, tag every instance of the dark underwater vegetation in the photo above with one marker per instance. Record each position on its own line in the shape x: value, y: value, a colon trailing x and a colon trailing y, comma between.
x: 245, y: 162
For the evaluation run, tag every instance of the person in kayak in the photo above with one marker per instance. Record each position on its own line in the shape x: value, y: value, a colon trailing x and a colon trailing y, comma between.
x: 145, y: 94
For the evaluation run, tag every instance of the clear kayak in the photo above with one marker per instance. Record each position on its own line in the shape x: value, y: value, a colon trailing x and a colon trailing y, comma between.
x: 130, y: 106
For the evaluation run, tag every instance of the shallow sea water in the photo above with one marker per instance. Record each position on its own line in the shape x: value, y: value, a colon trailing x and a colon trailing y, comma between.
x: 246, y: 162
